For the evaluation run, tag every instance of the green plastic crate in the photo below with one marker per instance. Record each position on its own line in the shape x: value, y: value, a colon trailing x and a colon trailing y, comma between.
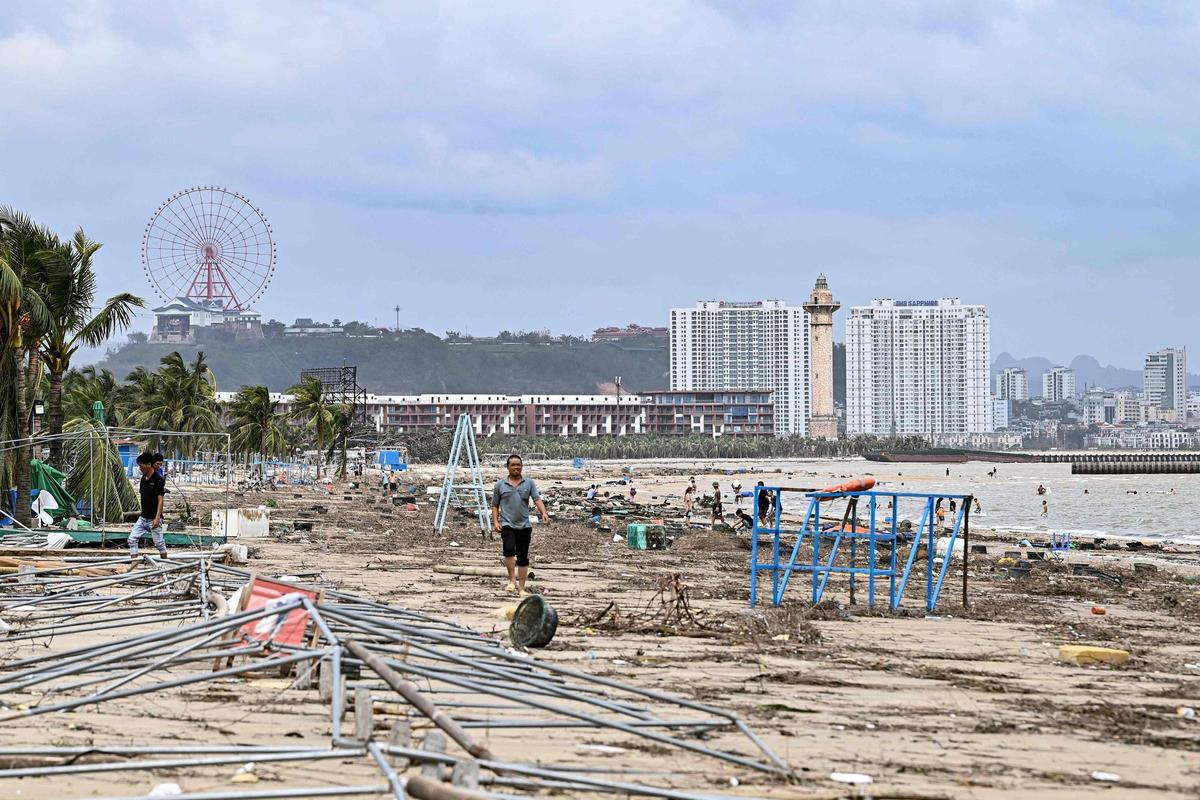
x: 635, y: 535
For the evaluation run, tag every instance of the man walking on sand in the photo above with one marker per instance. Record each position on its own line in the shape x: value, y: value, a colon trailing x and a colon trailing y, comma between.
x: 510, y: 518
x: 153, y: 490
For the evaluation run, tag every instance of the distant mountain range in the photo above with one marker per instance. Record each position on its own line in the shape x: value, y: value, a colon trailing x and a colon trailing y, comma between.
x: 1088, y: 372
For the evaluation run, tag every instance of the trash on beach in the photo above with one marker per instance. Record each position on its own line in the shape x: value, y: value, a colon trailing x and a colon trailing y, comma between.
x: 533, y: 623
x: 1185, y: 712
x: 1099, y: 611
x: 856, y: 778
x: 1086, y: 654
x: 166, y: 790
x: 1110, y: 777
x: 942, y: 546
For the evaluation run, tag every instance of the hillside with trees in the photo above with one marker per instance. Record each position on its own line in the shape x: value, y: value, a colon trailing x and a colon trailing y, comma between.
x: 418, y: 362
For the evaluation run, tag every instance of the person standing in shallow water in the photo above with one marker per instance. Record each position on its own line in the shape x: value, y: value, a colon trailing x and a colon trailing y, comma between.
x: 510, y: 518
x: 689, y: 501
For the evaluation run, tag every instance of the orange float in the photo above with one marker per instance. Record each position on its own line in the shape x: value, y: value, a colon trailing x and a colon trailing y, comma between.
x: 855, y: 485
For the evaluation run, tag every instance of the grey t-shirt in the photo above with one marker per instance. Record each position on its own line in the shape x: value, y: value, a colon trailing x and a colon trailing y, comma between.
x: 513, y: 501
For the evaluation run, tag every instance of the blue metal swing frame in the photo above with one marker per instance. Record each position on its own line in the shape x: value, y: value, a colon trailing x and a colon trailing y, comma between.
x: 877, y: 531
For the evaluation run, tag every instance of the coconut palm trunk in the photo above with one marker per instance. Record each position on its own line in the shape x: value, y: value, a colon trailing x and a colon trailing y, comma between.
x: 54, y: 416
x: 21, y: 513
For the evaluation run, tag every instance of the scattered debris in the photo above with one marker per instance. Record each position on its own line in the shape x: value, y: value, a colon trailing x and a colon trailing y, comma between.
x: 668, y: 612
x: 854, y: 778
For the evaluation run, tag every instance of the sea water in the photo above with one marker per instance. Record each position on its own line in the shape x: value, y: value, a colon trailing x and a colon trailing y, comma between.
x: 1139, y: 506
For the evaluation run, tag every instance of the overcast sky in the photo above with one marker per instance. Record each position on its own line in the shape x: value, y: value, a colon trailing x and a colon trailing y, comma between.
x: 570, y: 165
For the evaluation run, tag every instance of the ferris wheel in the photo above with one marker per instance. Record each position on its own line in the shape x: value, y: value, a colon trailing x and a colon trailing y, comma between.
x: 209, y: 244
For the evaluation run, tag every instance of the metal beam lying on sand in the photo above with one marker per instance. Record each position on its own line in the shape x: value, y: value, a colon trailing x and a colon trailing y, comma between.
x: 368, y: 652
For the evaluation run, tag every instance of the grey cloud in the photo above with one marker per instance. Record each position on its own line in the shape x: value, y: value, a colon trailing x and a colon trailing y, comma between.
x: 908, y: 146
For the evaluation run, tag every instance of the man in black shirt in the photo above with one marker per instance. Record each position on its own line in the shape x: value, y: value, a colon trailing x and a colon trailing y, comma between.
x: 764, y: 507
x: 152, y: 490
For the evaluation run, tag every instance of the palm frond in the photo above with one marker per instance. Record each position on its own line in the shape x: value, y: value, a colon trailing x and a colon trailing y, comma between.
x: 97, y: 473
x: 116, y: 315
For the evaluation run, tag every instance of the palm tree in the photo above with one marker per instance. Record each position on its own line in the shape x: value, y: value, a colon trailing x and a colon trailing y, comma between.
x: 69, y: 288
x: 96, y: 470
x: 83, y: 387
x: 179, y: 397
x: 23, y: 319
x: 254, y: 423
x: 315, y: 413
x: 343, y: 423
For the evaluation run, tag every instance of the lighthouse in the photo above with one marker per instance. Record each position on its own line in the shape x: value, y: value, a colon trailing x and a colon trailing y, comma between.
x: 822, y: 422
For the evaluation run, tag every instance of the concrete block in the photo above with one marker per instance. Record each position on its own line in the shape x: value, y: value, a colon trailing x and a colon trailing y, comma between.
x: 241, y: 523
x: 1086, y: 654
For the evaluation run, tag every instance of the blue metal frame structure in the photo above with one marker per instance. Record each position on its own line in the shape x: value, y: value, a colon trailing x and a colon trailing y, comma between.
x: 859, y: 526
x: 463, y: 494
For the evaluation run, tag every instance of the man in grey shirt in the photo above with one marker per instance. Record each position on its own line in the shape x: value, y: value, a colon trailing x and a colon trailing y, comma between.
x: 510, y: 518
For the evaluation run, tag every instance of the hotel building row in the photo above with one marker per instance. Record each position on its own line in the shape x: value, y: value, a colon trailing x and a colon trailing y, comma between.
x: 711, y: 413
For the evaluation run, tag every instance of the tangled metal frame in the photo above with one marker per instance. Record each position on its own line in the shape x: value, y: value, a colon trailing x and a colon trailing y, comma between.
x: 359, y: 653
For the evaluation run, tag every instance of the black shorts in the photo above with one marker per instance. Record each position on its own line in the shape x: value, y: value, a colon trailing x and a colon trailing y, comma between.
x: 516, y: 543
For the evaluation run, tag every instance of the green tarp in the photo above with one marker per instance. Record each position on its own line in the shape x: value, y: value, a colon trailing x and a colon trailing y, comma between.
x: 42, y: 476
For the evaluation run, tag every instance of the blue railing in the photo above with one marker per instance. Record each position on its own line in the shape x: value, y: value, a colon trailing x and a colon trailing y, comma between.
x: 862, y: 526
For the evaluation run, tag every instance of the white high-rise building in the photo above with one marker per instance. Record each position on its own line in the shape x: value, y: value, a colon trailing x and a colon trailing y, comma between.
x: 754, y: 345
x: 1164, y: 379
x: 1012, y: 384
x: 918, y: 367
x: 1058, y: 385
x: 1000, y: 409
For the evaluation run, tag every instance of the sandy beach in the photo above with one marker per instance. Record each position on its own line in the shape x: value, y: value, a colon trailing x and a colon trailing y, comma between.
x: 969, y: 702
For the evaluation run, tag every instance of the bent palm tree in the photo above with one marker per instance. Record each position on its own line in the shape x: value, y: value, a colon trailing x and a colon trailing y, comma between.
x: 97, y: 473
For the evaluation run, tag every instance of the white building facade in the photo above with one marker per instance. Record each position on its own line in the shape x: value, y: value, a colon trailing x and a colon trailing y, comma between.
x: 1164, y: 379
x: 1012, y: 384
x: 1058, y: 385
x: 918, y: 367
x: 1000, y: 412
x: 763, y: 344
